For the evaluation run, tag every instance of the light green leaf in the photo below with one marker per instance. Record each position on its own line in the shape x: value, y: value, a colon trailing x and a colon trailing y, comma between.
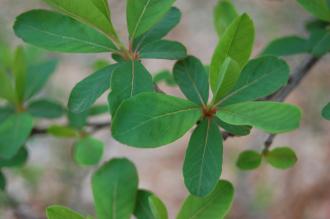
x: 271, y: 117
x: 165, y: 76
x: 143, y: 120
x: 163, y: 49
x: 46, y: 109
x: 203, y: 161
x: 192, y: 79
x: 158, y: 208
x: 290, y: 45
x: 281, y: 158
x: 87, y: 91
x: 88, y: 151
x: 326, y: 112
x: 249, y: 160
x: 103, y: 6
x: 60, y: 212
x: 318, y: 8
x: 115, y: 189
x: 236, y: 43
x: 100, y: 64
x: 224, y: 14
x: 14, y: 131
x: 20, y: 71
x: 7, y: 90
x: 129, y: 79
x: 142, y: 207
x: 18, y: 160
x: 238, y: 130
x: 56, y: 32
x: 143, y: 14
x: 2, y: 181
x: 214, y: 206
x: 260, y: 77
x: 62, y: 131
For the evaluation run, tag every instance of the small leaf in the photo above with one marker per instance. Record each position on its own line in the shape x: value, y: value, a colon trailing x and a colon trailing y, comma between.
x: 249, y: 160
x: 165, y: 76
x: 59, y: 212
x: 56, y: 32
x: 144, y: 14
x: 224, y: 14
x: 203, y: 161
x: 163, y: 49
x: 281, y: 158
x: 46, y: 109
x: 142, y: 207
x: 87, y: 91
x: 19, y: 70
x: 88, y: 151
x: 290, y: 45
x: 326, y: 112
x: 214, y: 206
x: 318, y: 8
x: 18, y: 160
x: 192, y: 79
x: 238, y: 130
x: 62, y: 131
x: 2, y: 181
x: 271, y: 117
x: 115, y: 189
x: 158, y: 208
x: 143, y: 120
x: 98, y: 110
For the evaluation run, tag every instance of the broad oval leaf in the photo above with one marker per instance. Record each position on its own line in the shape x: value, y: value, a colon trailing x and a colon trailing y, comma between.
x: 224, y: 14
x: 60, y: 212
x: 57, y: 32
x: 214, y: 206
x: 249, y: 160
x: 143, y: 14
x: 318, y: 8
x: 88, y: 151
x: 158, y: 208
x: 290, y: 45
x: 46, y: 109
x: 203, y: 161
x: 115, y: 189
x: 18, y: 160
x: 163, y: 49
x: 153, y: 120
x: 281, y: 158
x: 192, y: 79
x: 272, y: 117
x: 326, y: 112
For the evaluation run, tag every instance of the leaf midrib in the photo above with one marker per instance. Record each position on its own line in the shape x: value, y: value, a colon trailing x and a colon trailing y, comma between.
x: 140, y: 18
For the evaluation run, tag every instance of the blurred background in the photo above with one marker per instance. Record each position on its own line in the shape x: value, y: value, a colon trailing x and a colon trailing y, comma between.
x: 51, y: 177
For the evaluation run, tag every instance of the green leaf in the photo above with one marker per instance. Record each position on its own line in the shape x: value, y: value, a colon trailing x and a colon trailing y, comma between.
x: 159, y: 30
x: 271, y: 117
x: 98, y: 110
x: 163, y: 49
x: 88, y: 151
x: 142, y: 207
x: 19, y: 70
x: 18, y: 160
x: 14, y: 131
x: 5, y: 55
x: 77, y: 120
x: 165, y: 76
x: 281, y: 158
x: 37, y: 76
x: 56, y: 32
x: 100, y: 64
x: 2, y: 181
x: 46, y: 109
x: 129, y: 79
x: 203, y: 161
x: 158, y: 208
x: 236, y: 43
x: 319, y: 42
x: 5, y: 112
x: 192, y: 79
x: 238, y: 130
x: 318, y: 8
x: 62, y: 131
x: 144, y: 14
x: 115, y: 189
x: 224, y: 14
x: 60, y: 212
x: 143, y: 120
x: 87, y: 91
x: 260, y: 77
x: 326, y: 112
x: 7, y: 90
x: 94, y: 13
x: 249, y: 160
x: 290, y: 45
x: 214, y: 206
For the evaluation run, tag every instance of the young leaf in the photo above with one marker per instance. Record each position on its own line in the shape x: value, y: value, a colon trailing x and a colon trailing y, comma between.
x: 281, y: 158
x: 326, y: 112
x: 163, y: 49
x: 158, y: 208
x: 87, y: 91
x: 192, y: 79
x: 249, y: 160
x: 19, y: 70
x: 18, y: 160
x: 46, y: 109
x: 142, y: 207
x: 236, y: 43
x: 272, y: 117
x: 115, y: 188
x: 129, y: 79
x: 318, y: 8
x: 7, y: 90
x: 14, y: 131
x: 239, y: 130
x: 57, y: 32
x: 60, y: 212
x: 290, y: 45
x: 2, y: 181
x: 224, y: 14
x: 143, y: 120
x: 259, y: 78
x: 143, y: 14
x: 203, y: 161
x: 165, y: 76
x: 62, y: 131
x: 214, y: 206
x: 88, y: 151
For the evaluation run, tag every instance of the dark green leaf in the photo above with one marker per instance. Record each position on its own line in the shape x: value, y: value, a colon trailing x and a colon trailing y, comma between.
x: 5, y: 112
x: 326, y: 112
x: 77, y: 120
x: 158, y: 208
x: 62, y: 131
x: 46, y: 109
x: 18, y: 160
x: 192, y: 79
x: 249, y: 160
x: 115, y: 189
x: 203, y: 161
x: 163, y: 49
x: 20, y: 70
x: 319, y: 42
x: 281, y: 158
x: 165, y: 76
x: 59, y: 212
x: 56, y: 32
x: 143, y: 120
x: 224, y: 14
x: 239, y: 130
x: 290, y: 45
x: 2, y: 181
x: 118, y: 58
x: 142, y: 207
x: 98, y: 110
x: 318, y: 8
x: 214, y: 206
x: 88, y: 151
